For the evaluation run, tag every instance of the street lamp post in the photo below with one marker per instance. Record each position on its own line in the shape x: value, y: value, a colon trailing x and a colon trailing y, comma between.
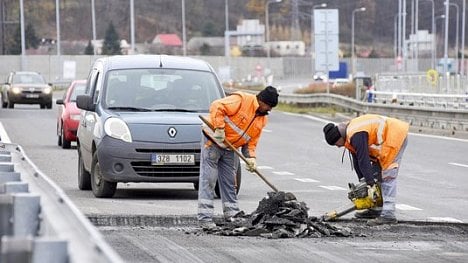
x: 184, y: 49
x: 132, y: 26
x: 267, y: 26
x: 93, y: 18
x: 312, y: 30
x: 23, y: 39
x: 457, y: 29
x: 462, y: 67
x: 226, y: 17
x: 447, y: 2
x: 353, y: 62
x: 435, y: 30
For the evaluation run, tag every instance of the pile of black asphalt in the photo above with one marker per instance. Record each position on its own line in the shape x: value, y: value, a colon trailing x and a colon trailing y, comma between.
x: 279, y: 215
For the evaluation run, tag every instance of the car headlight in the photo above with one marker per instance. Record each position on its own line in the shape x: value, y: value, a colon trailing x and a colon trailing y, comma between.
x: 16, y: 90
x: 117, y: 128
x: 47, y: 90
x: 75, y: 117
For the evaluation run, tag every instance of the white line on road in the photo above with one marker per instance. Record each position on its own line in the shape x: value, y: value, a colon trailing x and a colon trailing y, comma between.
x: 459, y: 164
x: 265, y: 167
x: 283, y: 173
x: 407, y: 207
x: 306, y: 180
x: 266, y: 130
x: 444, y: 219
x: 3, y: 135
x: 333, y: 187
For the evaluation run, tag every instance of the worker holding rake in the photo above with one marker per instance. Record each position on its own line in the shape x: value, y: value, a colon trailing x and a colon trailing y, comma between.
x: 373, y: 139
x: 239, y: 119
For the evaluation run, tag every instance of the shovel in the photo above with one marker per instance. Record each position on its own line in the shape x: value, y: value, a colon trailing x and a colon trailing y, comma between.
x: 226, y: 142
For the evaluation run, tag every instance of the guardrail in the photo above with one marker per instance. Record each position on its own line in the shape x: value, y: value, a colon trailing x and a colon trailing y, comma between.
x: 420, y: 116
x: 38, y: 222
x: 442, y: 101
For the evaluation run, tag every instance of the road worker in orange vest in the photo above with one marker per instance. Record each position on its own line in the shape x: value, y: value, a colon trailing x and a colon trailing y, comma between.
x: 238, y: 118
x: 373, y: 140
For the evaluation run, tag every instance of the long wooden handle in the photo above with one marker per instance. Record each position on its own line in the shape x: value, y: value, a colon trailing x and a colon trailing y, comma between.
x: 226, y: 142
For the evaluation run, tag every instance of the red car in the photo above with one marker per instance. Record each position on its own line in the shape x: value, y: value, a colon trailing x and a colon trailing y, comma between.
x: 68, y: 116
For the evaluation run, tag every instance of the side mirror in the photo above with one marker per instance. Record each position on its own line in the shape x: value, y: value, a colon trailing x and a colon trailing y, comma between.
x: 59, y: 102
x: 85, y: 102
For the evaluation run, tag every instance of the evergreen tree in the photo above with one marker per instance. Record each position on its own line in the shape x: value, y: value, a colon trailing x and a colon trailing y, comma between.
x: 111, y: 45
x: 89, y: 50
x: 14, y: 47
x: 32, y: 41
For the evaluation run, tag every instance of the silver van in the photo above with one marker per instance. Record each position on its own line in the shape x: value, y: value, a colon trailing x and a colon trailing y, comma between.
x: 140, y: 121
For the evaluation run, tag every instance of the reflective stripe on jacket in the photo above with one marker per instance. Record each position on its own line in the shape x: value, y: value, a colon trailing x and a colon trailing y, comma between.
x: 236, y: 114
x: 386, y: 136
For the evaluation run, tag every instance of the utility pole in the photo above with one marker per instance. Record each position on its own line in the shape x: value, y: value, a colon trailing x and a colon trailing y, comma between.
x: 2, y: 20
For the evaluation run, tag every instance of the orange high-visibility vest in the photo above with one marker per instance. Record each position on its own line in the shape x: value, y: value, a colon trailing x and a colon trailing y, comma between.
x: 236, y: 114
x: 386, y: 136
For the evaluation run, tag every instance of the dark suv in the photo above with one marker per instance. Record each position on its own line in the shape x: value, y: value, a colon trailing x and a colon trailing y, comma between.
x: 140, y: 121
x: 26, y: 87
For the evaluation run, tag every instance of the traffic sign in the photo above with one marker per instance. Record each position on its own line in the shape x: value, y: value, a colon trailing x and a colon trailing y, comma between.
x: 326, y: 37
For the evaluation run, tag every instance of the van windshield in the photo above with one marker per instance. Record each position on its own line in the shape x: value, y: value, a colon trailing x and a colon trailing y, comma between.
x: 161, y: 89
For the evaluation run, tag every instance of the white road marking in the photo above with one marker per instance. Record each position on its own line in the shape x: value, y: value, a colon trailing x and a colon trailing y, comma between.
x: 438, y: 137
x: 333, y: 187
x: 265, y: 167
x: 444, y: 219
x: 306, y: 180
x: 459, y: 164
x: 283, y: 173
x: 3, y: 135
x: 407, y: 207
x: 267, y: 130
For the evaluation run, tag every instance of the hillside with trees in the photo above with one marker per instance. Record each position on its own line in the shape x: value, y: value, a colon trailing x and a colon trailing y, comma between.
x: 374, y: 28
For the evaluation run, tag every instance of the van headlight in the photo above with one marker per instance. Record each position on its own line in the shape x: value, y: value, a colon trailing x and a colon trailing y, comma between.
x: 117, y: 128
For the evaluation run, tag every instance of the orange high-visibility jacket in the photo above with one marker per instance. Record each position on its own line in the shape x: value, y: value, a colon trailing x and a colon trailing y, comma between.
x: 236, y: 114
x: 386, y: 136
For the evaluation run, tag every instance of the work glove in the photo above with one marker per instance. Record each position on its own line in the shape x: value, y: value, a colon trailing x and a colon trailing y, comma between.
x: 251, y: 164
x: 373, y: 192
x: 219, y: 135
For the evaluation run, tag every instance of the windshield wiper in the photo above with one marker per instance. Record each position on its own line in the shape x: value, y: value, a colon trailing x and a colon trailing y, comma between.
x: 129, y: 108
x: 176, y: 110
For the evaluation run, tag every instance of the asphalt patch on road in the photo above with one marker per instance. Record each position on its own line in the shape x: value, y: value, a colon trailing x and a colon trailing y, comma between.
x: 279, y: 215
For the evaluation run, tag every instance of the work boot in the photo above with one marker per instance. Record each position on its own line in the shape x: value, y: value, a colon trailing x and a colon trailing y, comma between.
x: 382, y: 220
x: 368, y: 214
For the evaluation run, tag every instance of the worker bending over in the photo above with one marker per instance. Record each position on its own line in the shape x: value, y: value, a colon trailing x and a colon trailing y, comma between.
x: 238, y: 118
x: 373, y: 139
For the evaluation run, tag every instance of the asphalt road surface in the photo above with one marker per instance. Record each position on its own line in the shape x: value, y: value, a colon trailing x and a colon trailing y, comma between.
x: 293, y: 155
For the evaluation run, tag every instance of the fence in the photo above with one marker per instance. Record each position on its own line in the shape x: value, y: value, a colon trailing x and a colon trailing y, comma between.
x: 284, y: 68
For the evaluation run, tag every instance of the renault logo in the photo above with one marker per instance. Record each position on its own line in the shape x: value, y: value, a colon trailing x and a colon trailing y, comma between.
x: 172, y: 132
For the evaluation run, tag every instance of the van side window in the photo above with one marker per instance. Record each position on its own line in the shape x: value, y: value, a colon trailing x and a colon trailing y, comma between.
x: 98, y: 84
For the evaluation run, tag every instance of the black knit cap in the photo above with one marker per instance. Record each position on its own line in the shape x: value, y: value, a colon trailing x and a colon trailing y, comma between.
x: 332, y: 134
x: 269, y: 95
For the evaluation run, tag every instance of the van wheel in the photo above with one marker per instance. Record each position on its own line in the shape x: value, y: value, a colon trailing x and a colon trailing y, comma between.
x: 84, y: 178
x: 238, y: 179
x: 101, y: 188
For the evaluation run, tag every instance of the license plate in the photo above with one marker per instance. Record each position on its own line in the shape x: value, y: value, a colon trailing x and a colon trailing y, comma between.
x: 32, y: 96
x: 167, y: 159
